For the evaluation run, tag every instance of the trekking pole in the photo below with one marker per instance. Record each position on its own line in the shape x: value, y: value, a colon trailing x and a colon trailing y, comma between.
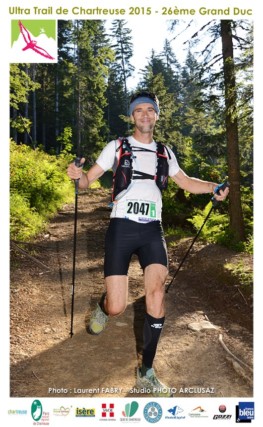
x: 78, y: 164
x: 214, y: 204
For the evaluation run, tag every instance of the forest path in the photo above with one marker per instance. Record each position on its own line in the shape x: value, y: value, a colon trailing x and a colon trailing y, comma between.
x: 46, y: 362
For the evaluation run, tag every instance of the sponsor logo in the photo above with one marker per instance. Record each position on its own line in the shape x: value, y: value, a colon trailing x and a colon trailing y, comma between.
x: 198, y: 412
x: 245, y: 412
x: 126, y: 164
x: 36, y: 410
x: 222, y: 415
x: 85, y: 412
x: 62, y: 411
x: 175, y: 413
x: 107, y: 410
x: 33, y: 41
x: 157, y: 325
x: 38, y: 414
x: 152, y: 412
x: 129, y: 411
x: 17, y: 412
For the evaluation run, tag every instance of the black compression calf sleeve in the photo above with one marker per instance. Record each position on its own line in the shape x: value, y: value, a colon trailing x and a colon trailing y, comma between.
x: 101, y: 303
x: 151, y: 333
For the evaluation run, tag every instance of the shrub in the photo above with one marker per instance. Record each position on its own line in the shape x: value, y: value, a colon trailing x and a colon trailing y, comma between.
x: 39, y: 186
x: 25, y: 222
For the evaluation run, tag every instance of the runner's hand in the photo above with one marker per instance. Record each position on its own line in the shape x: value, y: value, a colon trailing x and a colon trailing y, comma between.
x: 221, y: 192
x: 75, y: 172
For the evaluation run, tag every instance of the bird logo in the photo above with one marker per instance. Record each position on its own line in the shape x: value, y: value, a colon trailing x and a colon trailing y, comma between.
x: 32, y: 44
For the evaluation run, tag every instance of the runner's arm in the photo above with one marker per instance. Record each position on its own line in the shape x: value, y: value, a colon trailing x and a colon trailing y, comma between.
x: 85, y: 178
x: 198, y: 186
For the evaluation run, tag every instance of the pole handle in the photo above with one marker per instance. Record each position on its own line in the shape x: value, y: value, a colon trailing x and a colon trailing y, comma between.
x: 78, y: 163
x: 219, y: 187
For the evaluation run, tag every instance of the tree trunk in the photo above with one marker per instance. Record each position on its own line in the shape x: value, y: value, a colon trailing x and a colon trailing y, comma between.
x: 58, y: 144
x: 14, y: 131
x: 34, y: 107
x: 235, y: 207
x: 26, y: 111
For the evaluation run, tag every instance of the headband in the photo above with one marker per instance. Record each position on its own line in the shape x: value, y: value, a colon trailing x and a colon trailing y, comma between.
x: 143, y: 100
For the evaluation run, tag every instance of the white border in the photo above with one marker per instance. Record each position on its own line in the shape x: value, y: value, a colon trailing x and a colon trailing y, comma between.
x: 50, y: 404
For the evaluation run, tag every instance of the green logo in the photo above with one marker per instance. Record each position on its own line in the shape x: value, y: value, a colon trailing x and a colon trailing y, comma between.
x: 36, y: 410
x: 33, y: 41
x: 35, y: 26
x: 130, y: 409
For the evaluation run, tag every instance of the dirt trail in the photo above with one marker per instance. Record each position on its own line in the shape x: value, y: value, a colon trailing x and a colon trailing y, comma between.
x: 45, y: 361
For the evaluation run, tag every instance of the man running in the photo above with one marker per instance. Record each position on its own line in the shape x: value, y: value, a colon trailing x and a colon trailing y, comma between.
x: 136, y: 225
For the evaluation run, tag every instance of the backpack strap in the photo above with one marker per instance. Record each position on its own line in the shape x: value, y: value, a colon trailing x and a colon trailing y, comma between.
x: 162, y: 170
x: 162, y: 149
x: 140, y: 174
x: 124, y: 143
x: 123, y: 174
x: 162, y: 166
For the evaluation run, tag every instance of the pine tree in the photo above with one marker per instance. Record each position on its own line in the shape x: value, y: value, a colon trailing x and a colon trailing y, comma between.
x: 218, y: 79
x: 156, y: 79
x: 123, y: 48
x: 21, y: 86
x: 91, y: 61
x: 236, y: 214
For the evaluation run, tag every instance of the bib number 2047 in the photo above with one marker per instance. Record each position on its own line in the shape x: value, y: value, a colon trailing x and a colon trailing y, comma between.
x: 142, y: 208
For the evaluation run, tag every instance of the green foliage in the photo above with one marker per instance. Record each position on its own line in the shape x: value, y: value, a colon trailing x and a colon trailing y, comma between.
x: 217, y: 230
x: 25, y: 222
x: 180, y: 209
x: 21, y: 124
x: 249, y: 245
x: 242, y: 272
x: 176, y: 207
x: 21, y: 84
x: 95, y: 185
x: 80, y: 103
x: 38, y: 187
x: 93, y: 55
x: 172, y: 234
x: 64, y: 140
x: 228, y: 238
x: 215, y: 227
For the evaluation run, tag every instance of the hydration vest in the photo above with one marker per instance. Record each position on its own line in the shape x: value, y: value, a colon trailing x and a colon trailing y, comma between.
x: 125, y: 173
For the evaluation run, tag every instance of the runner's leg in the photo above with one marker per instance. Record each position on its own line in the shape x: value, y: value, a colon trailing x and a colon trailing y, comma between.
x: 116, y: 297
x: 154, y: 278
x: 112, y: 303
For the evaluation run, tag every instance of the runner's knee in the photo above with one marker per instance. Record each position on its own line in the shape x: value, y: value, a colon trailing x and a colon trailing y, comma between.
x: 155, y: 276
x: 117, y: 294
x: 115, y: 308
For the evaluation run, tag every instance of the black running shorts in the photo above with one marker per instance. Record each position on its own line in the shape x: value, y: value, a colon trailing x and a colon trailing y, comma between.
x: 125, y: 238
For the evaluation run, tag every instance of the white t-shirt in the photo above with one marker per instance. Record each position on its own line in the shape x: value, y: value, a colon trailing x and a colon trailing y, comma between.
x: 142, y: 200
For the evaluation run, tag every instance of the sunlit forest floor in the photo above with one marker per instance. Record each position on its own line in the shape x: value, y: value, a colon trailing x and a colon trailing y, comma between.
x: 206, y: 348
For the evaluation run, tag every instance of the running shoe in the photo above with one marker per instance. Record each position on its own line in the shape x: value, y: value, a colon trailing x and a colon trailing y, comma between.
x: 98, y: 321
x: 152, y: 384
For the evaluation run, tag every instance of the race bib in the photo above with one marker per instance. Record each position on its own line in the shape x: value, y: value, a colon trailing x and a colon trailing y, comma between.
x: 144, y: 210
